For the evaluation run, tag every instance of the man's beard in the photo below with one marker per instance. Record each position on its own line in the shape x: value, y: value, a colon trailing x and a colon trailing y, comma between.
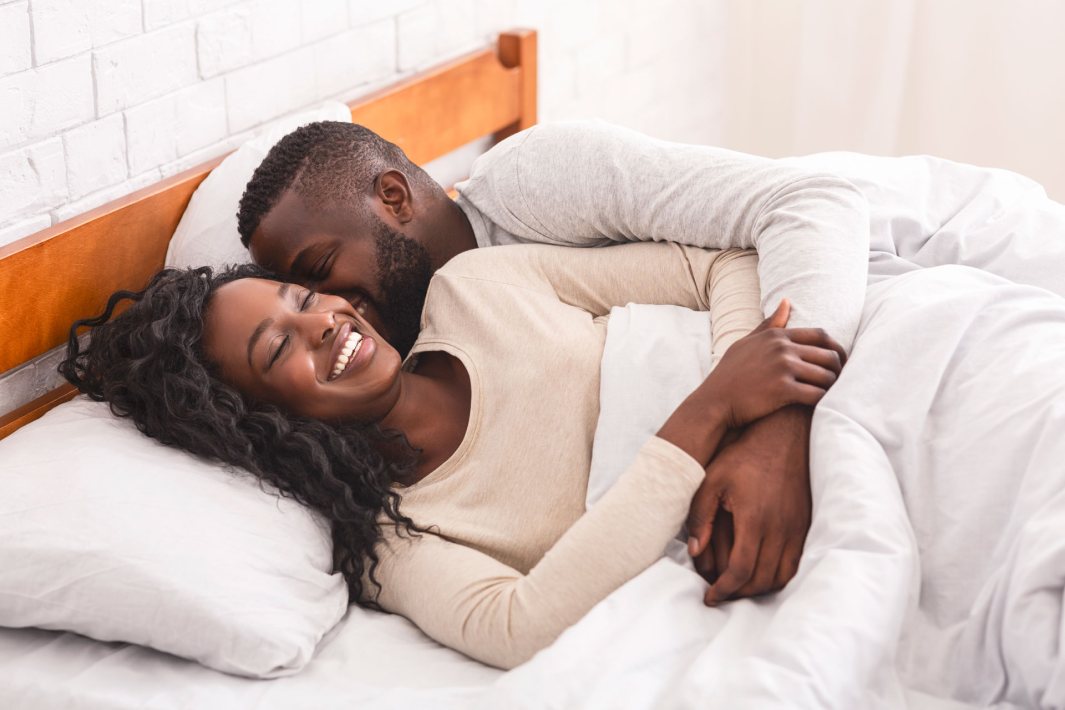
x: 404, y: 271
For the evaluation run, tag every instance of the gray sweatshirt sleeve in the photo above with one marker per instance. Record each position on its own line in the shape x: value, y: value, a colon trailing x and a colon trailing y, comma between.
x: 589, y: 183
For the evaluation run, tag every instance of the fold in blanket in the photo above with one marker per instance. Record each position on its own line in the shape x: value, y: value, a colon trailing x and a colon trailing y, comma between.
x: 934, y: 570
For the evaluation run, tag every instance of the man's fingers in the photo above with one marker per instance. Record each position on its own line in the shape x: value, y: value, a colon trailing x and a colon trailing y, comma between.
x: 765, y: 570
x: 721, y: 542
x: 701, y: 516
x: 740, y: 568
x: 706, y: 564
x: 714, y: 558
x: 789, y: 563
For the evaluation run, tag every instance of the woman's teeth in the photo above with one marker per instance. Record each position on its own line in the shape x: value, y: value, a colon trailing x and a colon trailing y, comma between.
x: 347, y: 354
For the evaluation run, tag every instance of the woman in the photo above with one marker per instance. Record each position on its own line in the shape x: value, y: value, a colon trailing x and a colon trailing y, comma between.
x: 454, y: 481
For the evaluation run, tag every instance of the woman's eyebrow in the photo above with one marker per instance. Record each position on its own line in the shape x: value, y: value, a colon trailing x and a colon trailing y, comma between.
x: 282, y: 291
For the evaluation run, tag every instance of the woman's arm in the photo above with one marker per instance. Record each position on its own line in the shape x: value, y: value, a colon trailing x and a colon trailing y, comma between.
x: 733, y: 298
x: 480, y: 606
x: 596, y: 280
x: 489, y: 611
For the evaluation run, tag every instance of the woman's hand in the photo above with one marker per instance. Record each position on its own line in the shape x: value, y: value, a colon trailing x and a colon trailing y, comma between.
x: 768, y: 369
x: 773, y: 367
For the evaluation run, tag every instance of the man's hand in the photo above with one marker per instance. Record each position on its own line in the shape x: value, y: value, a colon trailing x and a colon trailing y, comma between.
x: 763, y: 481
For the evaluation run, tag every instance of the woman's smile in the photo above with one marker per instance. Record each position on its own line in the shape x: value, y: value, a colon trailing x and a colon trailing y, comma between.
x: 311, y: 354
x: 351, y: 351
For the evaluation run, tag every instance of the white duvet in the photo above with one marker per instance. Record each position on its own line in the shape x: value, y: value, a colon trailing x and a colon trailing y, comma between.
x: 935, y: 563
x: 934, y: 570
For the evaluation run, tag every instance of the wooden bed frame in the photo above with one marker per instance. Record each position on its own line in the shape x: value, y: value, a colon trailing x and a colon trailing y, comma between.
x: 52, y: 278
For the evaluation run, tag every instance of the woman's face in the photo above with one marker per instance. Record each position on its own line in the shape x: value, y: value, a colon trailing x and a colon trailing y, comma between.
x: 305, y: 352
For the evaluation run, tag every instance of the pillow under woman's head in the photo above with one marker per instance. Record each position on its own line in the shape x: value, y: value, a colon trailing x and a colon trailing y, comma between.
x: 107, y: 533
x: 152, y: 364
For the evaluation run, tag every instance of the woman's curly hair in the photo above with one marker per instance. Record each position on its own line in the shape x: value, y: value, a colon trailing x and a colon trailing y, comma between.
x: 148, y: 363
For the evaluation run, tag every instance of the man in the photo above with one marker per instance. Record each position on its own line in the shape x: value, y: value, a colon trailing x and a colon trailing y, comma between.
x: 335, y: 207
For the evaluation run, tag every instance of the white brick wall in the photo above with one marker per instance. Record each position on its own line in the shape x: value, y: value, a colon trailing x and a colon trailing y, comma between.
x: 14, y: 38
x: 101, y: 97
x: 95, y: 155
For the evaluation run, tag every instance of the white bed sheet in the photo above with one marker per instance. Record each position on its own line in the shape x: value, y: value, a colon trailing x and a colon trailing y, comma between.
x: 370, y: 660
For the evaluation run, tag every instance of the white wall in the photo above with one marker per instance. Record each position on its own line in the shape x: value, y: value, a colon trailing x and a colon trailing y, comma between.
x: 977, y: 81
x: 101, y: 97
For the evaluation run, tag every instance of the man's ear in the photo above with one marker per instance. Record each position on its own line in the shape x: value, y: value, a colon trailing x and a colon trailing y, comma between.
x: 393, y: 190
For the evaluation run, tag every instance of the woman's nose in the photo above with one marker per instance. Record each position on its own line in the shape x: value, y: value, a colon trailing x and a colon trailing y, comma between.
x: 318, y: 327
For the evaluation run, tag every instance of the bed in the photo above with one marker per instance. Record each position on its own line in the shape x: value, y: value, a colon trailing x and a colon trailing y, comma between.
x: 67, y: 272
x: 896, y: 512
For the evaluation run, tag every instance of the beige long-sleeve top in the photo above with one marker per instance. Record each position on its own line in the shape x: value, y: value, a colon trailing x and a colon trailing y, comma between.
x: 514, y: 559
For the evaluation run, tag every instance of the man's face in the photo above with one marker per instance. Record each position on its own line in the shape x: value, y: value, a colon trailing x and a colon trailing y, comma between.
x: 351, y: 253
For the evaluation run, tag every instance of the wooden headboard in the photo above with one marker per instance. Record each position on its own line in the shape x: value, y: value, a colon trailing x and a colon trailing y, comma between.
x: 51, y: 278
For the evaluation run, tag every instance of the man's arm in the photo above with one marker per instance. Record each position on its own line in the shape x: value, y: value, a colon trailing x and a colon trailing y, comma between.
x: 592, y: 184
x: 589, y: 183
x: 762, y: 481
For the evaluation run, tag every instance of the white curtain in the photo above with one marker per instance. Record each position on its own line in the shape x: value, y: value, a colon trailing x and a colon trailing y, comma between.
x: 979, y: 81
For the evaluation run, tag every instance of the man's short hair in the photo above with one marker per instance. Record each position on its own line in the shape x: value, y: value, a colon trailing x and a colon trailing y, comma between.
x: 324, y: 162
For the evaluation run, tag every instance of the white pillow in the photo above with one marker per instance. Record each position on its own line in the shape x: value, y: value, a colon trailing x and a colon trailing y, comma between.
x: 207, y: 234
x: 110, y: 534
x: 653, y: 358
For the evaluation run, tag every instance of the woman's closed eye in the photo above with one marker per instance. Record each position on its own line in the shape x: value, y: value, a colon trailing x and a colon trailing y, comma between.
x: 277, y: 352
x: 306, y: 300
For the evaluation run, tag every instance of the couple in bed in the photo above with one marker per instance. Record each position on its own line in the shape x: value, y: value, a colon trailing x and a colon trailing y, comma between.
x: 448, y: 445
